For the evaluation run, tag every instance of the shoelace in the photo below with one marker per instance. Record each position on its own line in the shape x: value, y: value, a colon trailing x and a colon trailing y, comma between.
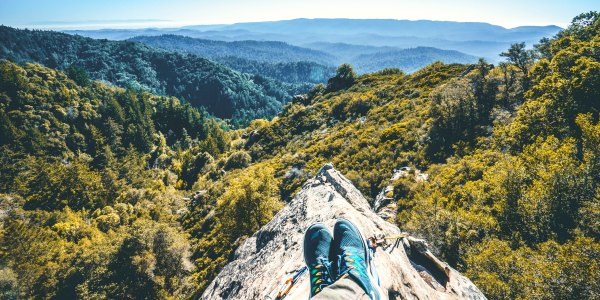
x: 347, y: 262
x: 350, y: 264
x: 320, y: 271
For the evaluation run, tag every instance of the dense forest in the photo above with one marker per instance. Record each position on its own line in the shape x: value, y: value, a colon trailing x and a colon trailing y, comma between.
x: 408, y: 60
x: 221, y: 91
x: 294, y: 64
x: 90, y: 198
x: 262, y: 51
x: 301, y: 72
x: 276, y: 60
x: 118, y: 193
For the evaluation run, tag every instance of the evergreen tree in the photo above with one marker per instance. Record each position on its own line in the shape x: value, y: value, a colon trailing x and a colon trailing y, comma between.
x: 344, y: 78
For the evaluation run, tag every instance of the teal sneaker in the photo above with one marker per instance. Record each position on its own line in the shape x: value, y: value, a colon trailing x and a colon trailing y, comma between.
x: 317, y: 242
x: 350, y: 250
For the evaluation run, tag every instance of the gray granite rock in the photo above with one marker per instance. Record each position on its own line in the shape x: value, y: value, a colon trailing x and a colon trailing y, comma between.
x: 406, y: 268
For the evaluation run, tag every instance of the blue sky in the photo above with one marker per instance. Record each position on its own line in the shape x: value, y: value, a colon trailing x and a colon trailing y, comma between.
x: 172, y: 13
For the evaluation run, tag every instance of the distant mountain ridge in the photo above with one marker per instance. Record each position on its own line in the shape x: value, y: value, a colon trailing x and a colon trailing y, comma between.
x: 265, y: 51
x: 272, y: 59
x: 465, y: 31
x: 289, y: 63
x: 477, y: 39
x: 411, y: 59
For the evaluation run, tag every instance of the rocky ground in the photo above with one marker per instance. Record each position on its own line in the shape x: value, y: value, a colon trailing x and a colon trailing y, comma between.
x: 406, y: 268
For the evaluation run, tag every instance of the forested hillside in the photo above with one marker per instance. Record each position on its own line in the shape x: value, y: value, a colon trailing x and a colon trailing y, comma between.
x: 408, y: 60
x: 89, y: 200
x: 220, y: 90
x: 301, y: 72
x: 117, y: 193
x: 263, y: 51
x: 295, y: 64
x: 276, y: 60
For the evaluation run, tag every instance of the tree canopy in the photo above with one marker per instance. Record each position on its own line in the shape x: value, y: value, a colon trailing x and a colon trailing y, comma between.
x: 220, y: 90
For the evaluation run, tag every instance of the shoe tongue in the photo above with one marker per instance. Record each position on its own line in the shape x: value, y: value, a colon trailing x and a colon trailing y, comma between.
x: 322, y: 260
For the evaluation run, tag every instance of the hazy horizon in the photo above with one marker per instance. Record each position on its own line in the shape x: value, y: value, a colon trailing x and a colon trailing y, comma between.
x: 169, y: 24
x: 113, y: 14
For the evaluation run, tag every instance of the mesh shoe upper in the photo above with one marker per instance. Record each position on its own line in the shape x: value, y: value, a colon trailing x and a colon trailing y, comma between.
x: 350, y: 253
x: 317, y: 241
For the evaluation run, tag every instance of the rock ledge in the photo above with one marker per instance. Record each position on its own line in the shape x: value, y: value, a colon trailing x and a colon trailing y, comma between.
x: 406, y: 268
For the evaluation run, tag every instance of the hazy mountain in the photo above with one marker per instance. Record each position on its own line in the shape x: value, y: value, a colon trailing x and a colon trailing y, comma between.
x: 227, y: 35
x: 265, y: 51
x: 345, y: 51
x: 478, y: 39
x: 277, y: 60
x: 123, y: 34
x: 296, y: 64
x: 409, y: 60
x: 372, y: 58
x: 457, y: 31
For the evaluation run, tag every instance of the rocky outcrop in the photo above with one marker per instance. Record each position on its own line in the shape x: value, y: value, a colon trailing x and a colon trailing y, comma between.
x: 406, y: 268
x: 384, y: 205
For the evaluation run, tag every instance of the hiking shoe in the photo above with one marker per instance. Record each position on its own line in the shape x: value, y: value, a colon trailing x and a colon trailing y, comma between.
x: 317, y: 242
x: 350, y: 251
